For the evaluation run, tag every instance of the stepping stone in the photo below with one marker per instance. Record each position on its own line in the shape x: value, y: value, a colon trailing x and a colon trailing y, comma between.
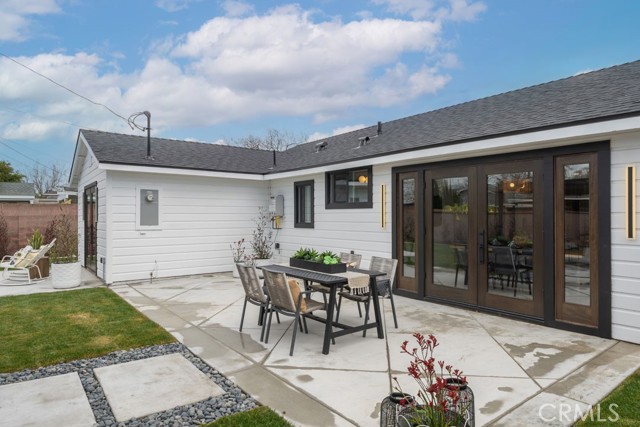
x: 144, y: 387
x: 58, y: 401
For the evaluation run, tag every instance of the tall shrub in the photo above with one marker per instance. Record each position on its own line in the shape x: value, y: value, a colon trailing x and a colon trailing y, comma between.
x: 4, y: 235
x: 65, y: 249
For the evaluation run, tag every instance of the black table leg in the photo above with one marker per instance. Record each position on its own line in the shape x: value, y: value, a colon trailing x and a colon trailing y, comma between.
x: 373, y: 284
x: 328, y: 329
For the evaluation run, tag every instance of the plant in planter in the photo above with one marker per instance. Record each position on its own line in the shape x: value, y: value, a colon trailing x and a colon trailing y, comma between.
x: 237, y: 249
x: 36, y: 240
x: 310, y: 259
x: 444, y: 397
x: 65, y: 268
x: 262, y: 237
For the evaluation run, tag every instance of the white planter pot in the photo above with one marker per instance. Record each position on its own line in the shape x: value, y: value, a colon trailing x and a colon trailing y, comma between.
x: 234, y: 270
x: 65, y: 276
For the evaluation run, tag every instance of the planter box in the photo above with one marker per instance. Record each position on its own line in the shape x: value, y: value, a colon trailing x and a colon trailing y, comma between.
x: 340, y: 267
x: 43, y: 265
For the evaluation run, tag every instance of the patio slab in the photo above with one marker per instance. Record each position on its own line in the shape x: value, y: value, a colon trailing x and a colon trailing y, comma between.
x: 147, y: 386
x: 57, y: 401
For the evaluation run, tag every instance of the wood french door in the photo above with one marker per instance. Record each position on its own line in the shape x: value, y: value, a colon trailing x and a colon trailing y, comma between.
x: 407, y: 230
x: 484, y: 231
x: 90, y: 210
x: 576, y: 240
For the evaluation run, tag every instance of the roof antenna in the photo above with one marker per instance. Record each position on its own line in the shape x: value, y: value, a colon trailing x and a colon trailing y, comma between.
x: 133, y: 124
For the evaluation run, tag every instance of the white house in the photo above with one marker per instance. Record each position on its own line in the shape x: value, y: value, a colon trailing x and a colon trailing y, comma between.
x: 520, y: 204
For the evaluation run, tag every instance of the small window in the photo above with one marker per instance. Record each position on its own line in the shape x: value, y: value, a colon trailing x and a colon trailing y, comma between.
x: 348, y: 189
x: 303, y: 204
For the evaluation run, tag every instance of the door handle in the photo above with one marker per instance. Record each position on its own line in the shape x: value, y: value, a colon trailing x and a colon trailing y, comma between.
x: 481, y: 247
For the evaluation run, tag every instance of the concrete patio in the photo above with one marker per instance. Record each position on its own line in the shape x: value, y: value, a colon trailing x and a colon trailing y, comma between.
x: 521, y: 374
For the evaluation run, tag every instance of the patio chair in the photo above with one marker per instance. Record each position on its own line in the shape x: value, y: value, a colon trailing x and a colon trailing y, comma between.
x: 503, y: 265
x: 254, y: 294
x: 384, y: 284
x: 462, y: 263
x: 11, y: 260
x: 21, y: 271
x: 285, y: 297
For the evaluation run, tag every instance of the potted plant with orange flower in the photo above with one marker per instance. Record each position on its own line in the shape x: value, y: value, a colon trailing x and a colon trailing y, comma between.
x: 444, y: 398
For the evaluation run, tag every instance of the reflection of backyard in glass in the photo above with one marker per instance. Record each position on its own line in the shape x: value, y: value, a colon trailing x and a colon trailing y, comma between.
x: 450, y: 231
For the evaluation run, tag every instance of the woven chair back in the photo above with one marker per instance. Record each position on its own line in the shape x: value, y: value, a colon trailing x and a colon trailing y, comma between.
x: 351, y: 259
x: 279, y: 291
x: 251, y: 282
x: 384, y: 265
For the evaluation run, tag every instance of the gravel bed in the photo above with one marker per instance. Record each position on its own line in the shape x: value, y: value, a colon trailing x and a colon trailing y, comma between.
x: 232, y: 401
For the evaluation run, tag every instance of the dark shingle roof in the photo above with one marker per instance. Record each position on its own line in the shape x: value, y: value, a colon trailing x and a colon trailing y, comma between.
x: 596, y: 96
x: 17, y: 189
x: 132, y: 150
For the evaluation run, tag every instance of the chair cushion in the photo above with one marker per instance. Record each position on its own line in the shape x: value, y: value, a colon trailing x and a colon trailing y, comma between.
x: 295, y: 293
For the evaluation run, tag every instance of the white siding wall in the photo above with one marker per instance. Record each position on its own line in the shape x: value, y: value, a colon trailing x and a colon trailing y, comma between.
x: 88, y: 175
x: 338, y: 230
x: 625, y: 254
x: 199, y: 217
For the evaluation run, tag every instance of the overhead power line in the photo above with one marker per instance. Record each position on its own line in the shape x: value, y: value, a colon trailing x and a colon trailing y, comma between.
x: 63, y: 86
x: 22, y: 154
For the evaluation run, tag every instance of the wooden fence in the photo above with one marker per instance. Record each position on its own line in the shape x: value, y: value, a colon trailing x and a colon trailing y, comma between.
x: 23, y: 219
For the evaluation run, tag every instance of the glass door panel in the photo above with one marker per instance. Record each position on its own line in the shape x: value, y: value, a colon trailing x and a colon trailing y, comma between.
x: 510, y: 231
x: 450, y: 268
x: 510, y: 202
x: 407, y: 245
x: 576, y: 272
x: 90, y: 209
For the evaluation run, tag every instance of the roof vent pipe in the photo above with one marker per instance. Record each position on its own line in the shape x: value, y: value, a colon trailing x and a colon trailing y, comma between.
x: 379, y: 128
x: 274, y: 158
x: 148, y: 114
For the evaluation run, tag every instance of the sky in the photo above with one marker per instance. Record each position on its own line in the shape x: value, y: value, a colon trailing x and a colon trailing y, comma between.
x: 216, y: 71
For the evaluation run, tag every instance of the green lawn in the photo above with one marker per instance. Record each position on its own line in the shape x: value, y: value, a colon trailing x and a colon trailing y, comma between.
x: 621, y: 408
x: 46, y: 329
x: 258, y: 417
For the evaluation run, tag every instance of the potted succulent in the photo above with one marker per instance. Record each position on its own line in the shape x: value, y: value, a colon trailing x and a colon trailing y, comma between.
x: 66, y: 271
x: 237, y: 249
x: 310, y: 259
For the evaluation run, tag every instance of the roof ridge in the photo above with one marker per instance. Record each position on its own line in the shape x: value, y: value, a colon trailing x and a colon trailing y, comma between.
x: 448, y: 107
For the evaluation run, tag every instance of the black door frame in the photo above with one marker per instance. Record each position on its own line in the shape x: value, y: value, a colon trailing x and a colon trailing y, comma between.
x: 90, y: 234
x: 603, y: 182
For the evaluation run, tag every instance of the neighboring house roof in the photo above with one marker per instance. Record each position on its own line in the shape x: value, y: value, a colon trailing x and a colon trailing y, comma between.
x: 601, y: 95
x: 17, y: 191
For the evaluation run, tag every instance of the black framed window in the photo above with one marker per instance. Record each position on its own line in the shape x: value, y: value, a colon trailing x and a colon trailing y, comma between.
x: 303, y: 204
x: 349, y: 189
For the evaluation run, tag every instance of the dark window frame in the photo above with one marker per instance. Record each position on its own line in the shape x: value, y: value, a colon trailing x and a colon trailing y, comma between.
x: 330, y: 192
x: 299, y: 211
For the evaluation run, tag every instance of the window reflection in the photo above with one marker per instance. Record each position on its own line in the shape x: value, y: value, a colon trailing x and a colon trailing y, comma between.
x: 576, y: 211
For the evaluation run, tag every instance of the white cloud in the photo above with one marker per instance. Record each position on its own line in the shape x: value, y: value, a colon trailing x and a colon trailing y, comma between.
x: 452, y: 10
x: 173, y: 5
x: 285, y: 62
x: 316, y: 136
x: 235, y: 8
x: 14, y: 16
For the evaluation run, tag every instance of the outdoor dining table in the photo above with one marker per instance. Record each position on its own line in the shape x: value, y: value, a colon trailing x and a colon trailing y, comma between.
x: 334, y: 282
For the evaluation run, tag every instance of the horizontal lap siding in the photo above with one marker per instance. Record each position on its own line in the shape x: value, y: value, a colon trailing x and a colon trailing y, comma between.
x: 338, y: 230
x: 90, y: 174
x: 200, y: 217
x: 625, y: 254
